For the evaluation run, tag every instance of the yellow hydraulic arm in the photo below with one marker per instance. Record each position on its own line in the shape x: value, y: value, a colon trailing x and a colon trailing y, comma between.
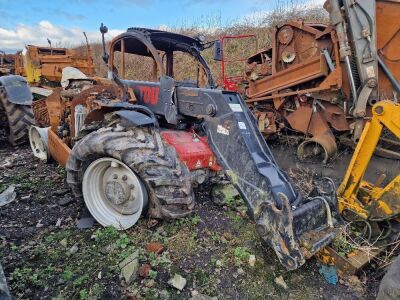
x: 368, y: 201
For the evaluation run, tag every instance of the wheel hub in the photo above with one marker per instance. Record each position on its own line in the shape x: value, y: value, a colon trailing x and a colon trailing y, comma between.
x: 117, y: 192
x: 113, y: 193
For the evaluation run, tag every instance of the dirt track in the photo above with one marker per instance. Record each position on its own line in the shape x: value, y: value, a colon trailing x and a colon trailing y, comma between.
x: 44, y: 255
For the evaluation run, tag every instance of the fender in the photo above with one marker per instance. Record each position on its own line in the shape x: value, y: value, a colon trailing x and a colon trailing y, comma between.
x: 131, y: 118
x: 17, y: 89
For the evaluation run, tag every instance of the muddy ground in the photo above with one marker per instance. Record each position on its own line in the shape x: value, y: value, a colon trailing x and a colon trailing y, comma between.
x: 45, y: 256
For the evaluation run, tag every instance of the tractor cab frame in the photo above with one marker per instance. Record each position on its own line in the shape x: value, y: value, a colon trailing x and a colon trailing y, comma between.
x: 160, y: 46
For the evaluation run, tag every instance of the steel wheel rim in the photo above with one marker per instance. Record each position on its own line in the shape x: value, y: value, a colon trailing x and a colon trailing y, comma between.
x: 38, y: 146
x: 103, y: 193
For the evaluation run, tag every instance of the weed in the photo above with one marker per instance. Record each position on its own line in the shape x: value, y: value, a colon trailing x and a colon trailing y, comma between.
x: 195, y: 220
x: 241, y: 253
x: 105, y: 235
x: 67, y: 275
x: 123, y: 241
x: 153, y: 274
x: 83, y: 294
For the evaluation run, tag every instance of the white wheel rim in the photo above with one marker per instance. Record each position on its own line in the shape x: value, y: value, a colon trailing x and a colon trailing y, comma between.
x: 113, y: 193
x: 38, y: 145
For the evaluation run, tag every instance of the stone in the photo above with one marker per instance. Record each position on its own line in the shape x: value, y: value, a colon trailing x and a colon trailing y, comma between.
x: 177, y: 282
x: 130, y: 258
x: 129, y: 267
x: 281, y: 282
x: 65, y: 201
x: 240, y: 271
x: 221, y: 192
x: 129, y: 271
x: 155, y: 247
x: 64, y: 243
x: 164, y: 294
x: 74, y: 249
x: 252, y: 260
x: 218, y: 263
x: 8, y: 196
x: 150, y: 283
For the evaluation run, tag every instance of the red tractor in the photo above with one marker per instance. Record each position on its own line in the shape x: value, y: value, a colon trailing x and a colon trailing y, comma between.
x: 136, y: 145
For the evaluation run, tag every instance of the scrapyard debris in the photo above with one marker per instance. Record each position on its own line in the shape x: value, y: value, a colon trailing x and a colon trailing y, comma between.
x: 329, y: 273
x: 8, y: 195
x: 86, y: 220
x: 154, y: 247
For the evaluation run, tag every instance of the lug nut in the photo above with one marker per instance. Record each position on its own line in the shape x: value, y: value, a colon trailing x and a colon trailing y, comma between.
x: 115, y: 176
x: 132, y: 186
x: 124, y: 177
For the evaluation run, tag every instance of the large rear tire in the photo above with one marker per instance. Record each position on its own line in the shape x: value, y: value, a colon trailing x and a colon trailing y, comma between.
x: 166, y: 179
x: 18, y: 119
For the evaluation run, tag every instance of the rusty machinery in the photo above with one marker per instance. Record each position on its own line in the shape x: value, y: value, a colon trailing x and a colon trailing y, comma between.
x: 373, y: 208
x: 43, y: 66
x: 129, y: 145
x: 321, y: 80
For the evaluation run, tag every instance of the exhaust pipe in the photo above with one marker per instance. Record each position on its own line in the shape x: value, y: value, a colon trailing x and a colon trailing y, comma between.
x: 39, y: 140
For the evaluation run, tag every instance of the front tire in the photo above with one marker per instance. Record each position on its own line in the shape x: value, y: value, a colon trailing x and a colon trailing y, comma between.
x: 166, y: 179
x: 19, y: 119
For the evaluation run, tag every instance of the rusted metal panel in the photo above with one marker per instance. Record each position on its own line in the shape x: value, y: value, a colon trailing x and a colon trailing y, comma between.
x: 58, y: 149
x: 297, y: 74
x: 388, y: 44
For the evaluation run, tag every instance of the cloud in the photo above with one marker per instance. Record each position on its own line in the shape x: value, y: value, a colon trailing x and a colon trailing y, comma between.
x: 14, y: 39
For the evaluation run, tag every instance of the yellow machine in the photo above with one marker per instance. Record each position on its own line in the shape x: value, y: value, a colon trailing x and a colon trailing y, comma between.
x: 45, y: 64
x: 368, y: 201
x: 362, y: 202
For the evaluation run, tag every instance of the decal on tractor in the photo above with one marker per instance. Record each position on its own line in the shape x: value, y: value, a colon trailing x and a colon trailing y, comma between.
x: 149, y: 94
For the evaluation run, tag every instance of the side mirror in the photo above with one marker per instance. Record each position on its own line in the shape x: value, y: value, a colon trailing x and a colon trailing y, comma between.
x: 217, y: 51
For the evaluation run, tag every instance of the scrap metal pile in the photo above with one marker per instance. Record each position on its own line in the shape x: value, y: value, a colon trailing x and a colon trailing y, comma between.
x: 321, y: 80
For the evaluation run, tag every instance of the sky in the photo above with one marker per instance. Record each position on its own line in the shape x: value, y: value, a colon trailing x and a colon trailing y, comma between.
x: 32, y: 22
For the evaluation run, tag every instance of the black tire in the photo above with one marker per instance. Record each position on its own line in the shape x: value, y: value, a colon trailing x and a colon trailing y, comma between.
x: 19, y: 119
x: 166, y: 178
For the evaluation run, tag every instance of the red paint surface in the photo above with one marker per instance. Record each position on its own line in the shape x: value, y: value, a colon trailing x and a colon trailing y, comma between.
x: 149, y: 94
x: 194, y: 151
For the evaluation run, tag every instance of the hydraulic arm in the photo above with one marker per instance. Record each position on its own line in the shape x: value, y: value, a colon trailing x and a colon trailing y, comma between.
x: 296, y: 228
x: 369, y: 201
